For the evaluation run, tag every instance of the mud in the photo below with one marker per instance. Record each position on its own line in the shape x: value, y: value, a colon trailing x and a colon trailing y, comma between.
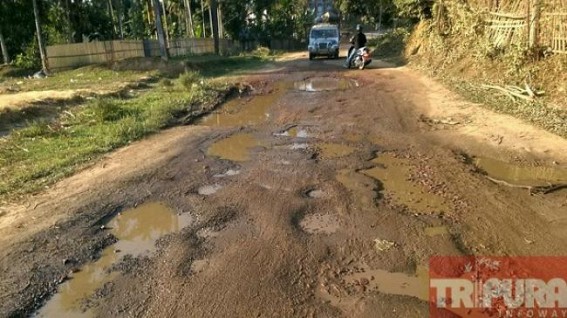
x: 261, y: 245
x: 320, y: 224
x: 394, y: 173
x: 385, y: 282
x: 321, y: 84
x: 521, y: 175
x: 137, y: 230
x: 235, y: 148
x: 331, y: 150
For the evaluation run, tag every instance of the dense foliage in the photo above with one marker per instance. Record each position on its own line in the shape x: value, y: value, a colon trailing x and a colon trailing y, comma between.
x: 71, y: 21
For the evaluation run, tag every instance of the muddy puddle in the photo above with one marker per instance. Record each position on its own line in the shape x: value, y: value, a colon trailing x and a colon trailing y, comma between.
x: 394, y: 175
x: 294, y: 132
x: 361, y: 186
x: 245, y: 111
x: 329, y: 150
x: 521, y: 175
x: 236, y: 147
x: 393, y: 283
x: 320, y: 223
x: 321, y: 84
x: 137, y: 231
x: 437, y: 231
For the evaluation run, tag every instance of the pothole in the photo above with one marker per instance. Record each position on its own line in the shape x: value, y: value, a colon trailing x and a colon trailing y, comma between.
x: 320, y: 223
x: 521, y: 175
x: 228, y: 173
x: 137, y: 231
x: 392, y: 283
x: 320, y: 84
x: 315, y: 194
x: 330, y: 150
x: 236, y: 147
x: 394, y: 174
x: 244, y: 111
x: 199, y: 265
x: 209, y: 189
x: 436, y: 231
x: 294, y: 132
x: 299, y: 146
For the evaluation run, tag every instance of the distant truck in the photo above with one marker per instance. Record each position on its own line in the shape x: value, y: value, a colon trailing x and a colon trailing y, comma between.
x: 324, y: 40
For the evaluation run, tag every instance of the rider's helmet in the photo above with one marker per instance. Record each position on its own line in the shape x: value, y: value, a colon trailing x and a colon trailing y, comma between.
x: 358, y: 28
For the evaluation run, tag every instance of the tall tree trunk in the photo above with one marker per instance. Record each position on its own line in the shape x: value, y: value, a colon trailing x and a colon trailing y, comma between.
x: 189, y: 18
x: 219, y: 17
x: 211, y: 18
x: 112, y: 17
x: 70, y: 36
x: 203, y: 18
x: 160, y: 33
x: 121, y: 23
x: 214, y: 24
x: 149, y: 11
x: 165, y: 25
x: 39, y: 37
x: 4, y: 48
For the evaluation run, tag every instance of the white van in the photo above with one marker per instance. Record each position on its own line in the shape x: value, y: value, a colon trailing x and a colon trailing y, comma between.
x: 324, y: 41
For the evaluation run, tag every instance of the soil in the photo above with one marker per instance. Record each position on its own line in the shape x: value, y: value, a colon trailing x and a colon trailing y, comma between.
x: 297, y: 211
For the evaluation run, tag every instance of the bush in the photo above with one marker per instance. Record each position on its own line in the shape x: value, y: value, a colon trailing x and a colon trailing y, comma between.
x: 107, y: 110
x: 189, y: 78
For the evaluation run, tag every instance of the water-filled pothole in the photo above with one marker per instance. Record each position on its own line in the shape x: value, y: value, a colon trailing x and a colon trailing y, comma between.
x: 137, y: 231
x: 330, y: 150
x: 521, y: 175
x: 394, y: 174
x: 393, y: 283
x: 436, y: 231
x: 320, y: 84
x: 236, y: 147
x: 294, y: 132
x: 246, y: 110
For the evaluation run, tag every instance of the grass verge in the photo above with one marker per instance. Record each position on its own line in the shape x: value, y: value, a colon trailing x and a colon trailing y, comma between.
x: 392, y: 47
x: 47, y: 150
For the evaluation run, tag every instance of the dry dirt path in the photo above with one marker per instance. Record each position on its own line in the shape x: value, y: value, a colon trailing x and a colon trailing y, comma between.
x: 320, y: 194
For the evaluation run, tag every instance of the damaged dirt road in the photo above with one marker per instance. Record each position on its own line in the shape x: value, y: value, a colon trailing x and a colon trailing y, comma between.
x: 322, y: 193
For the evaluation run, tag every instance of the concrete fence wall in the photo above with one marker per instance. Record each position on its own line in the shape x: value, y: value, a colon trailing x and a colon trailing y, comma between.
x: 80, y: 54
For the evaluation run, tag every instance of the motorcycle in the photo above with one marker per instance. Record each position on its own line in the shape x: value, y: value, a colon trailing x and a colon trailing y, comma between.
x: 362, y: 57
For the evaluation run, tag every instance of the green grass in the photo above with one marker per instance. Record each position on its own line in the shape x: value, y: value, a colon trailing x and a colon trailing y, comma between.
x: 88, y: 77
x: 43, y: 152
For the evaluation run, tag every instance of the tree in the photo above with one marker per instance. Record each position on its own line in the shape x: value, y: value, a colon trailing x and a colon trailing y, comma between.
x: 160, y: 33
x: 39, y: 36
x: 189, y: 18
x: 4, y: 48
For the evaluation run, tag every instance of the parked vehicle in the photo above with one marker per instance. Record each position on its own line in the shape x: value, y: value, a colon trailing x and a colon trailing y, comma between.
x: 324, y: 41
x: 362, y: 57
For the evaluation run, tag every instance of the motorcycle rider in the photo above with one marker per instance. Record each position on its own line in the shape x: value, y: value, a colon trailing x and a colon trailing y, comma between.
x: 358, y: 41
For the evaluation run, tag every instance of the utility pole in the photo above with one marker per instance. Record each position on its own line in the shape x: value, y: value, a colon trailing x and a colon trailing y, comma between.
x: 159, y: 27
x: 39, y: 37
